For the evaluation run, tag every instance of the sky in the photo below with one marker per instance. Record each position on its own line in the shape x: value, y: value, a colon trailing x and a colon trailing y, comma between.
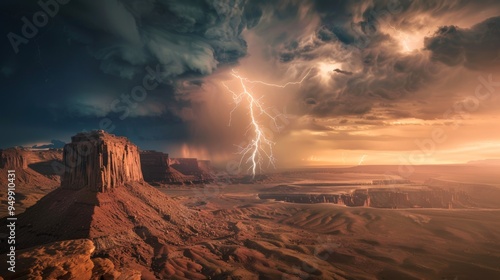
x: 331, y: 82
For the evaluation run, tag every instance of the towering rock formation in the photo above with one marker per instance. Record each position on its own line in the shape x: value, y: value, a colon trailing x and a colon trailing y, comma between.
x: 104, y: 199
x: 100, y: 161
x: 156, y: 168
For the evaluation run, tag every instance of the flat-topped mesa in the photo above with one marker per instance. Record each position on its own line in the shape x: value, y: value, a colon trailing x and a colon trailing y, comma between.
x: 154, y: 165
x: 187, y: 166
x: 100, y: 161
x: 156, y: 168
x: 13, y: 158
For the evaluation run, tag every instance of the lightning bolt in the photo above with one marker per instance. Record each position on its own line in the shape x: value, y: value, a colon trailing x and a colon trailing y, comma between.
x: 260, y: 147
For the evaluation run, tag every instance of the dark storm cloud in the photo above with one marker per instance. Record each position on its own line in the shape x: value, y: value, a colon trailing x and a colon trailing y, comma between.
x: 382, y: 73
x: 183, y: 36
x: 91, y: 53
x: 350, y: 21
x: 477, y: 47
x: 361, y: 36
x: 358, y: 22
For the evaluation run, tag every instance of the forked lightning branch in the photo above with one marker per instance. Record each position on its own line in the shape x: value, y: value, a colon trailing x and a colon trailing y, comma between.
x: 260, y: 148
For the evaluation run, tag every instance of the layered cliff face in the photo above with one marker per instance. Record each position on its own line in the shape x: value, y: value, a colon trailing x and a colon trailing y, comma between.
x: 383, y: 198
x: 36, y: 175
x: 46, y: 162
x: 13, y: 158
x: 187, y: 166
x: 156, y: 168
x: 100, y: 161
x: 103, y: 198
x: 198, y: 170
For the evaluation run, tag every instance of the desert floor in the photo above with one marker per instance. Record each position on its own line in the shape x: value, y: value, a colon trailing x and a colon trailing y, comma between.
x: 320, y: 241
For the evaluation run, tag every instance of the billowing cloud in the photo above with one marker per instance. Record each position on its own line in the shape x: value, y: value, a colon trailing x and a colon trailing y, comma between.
x: 476, y: 48
x: 375, y: 73
x: 371, y: 52
x: 183, y: 36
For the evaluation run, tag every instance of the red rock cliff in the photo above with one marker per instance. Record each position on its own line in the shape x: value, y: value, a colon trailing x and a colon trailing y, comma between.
x: 100, y: 161
x: 13, y: 158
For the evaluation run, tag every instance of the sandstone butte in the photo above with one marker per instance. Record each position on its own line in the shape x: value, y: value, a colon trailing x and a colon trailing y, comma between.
x: 103, y: 198
x: 100, y: 162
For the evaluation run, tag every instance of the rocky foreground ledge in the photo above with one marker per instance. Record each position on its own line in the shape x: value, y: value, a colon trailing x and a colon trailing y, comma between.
x: 70, y: 259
